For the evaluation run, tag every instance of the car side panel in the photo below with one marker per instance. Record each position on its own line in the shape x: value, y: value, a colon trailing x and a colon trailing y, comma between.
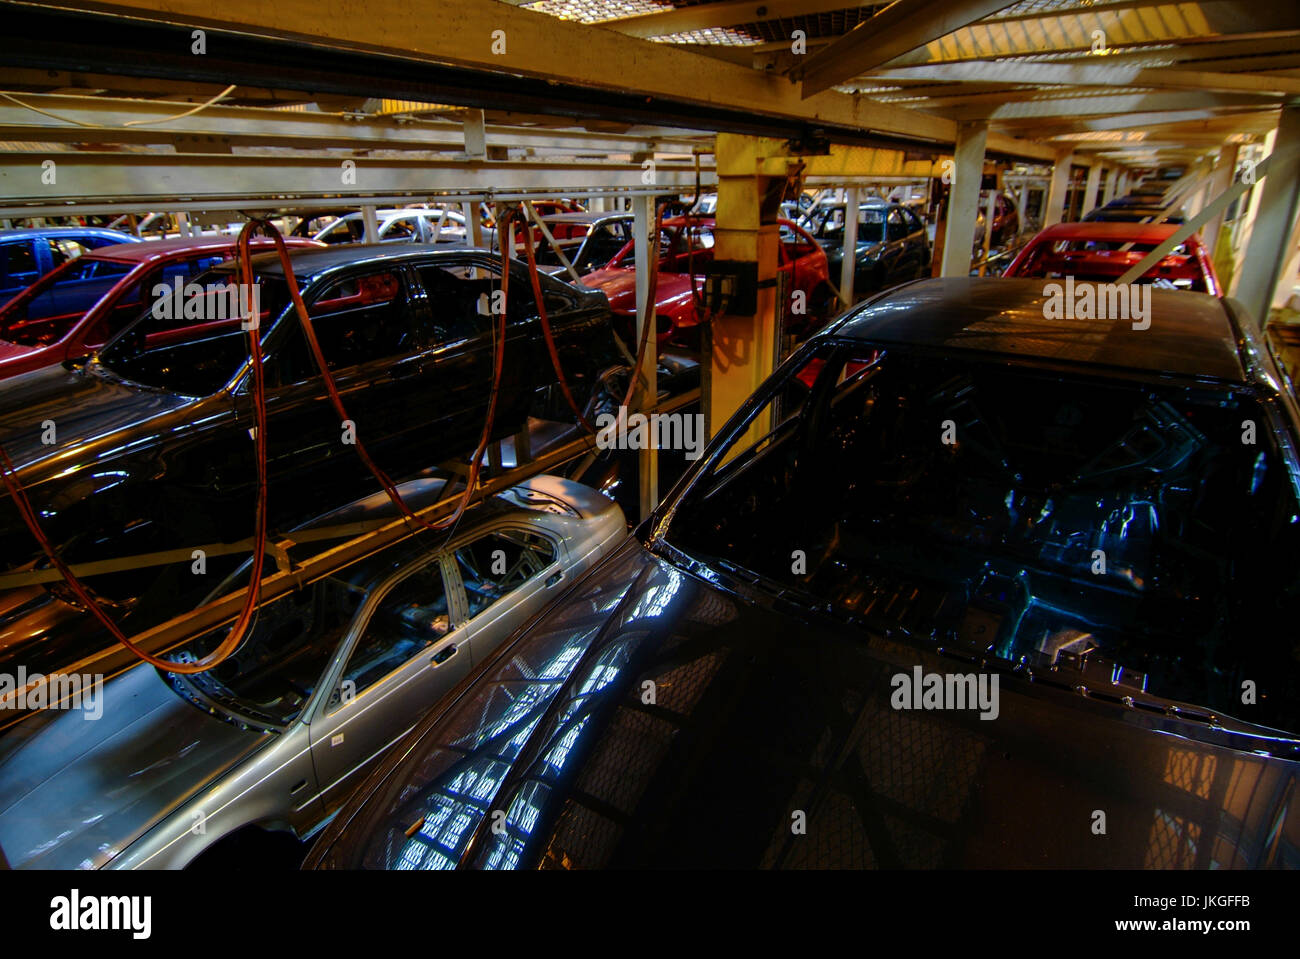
x: 275, y: 789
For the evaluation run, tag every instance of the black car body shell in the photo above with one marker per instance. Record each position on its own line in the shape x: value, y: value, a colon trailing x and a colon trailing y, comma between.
x: 669, y: 712
x: 879, y: 264
x: 762, y: 714
x: 139, y: 468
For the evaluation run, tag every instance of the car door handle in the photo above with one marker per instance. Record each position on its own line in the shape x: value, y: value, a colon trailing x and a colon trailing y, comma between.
x: 553, y: 579
x: 442, y: 655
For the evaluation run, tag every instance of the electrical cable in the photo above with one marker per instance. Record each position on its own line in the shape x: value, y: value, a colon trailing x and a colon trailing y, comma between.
x: 129, y: 123
x: 546, y: 325
x: 252, y: 599
x: 546, y: 330
x: 651, y: 317
x: 336, y: 400
x: 697, y: 298
x: 253, y: 596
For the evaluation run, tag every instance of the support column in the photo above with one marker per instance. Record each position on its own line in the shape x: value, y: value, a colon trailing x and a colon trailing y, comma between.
x: 1108, y: 191
x: 370, y: 224
x: 963, y: 198
x: 1219, y: 182
x: 1022, y: 197
x: 743, y: 348
x: 990, y: 211
x: 1053, y: 211
x: 1196, y: 199
x: 1121, y: 186
x: 1090, y: 190
x: 849, y: 261
x: 473, y: 222
x: 475, y: 127
x: 643, y: 224
x: 1269, y: 256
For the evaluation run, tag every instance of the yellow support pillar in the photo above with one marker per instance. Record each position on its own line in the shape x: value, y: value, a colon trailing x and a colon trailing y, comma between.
x: 743, y: 347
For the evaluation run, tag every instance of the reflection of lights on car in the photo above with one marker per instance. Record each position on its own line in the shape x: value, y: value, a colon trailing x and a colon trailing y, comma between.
x: 560, y: 751
x: 657, y: 598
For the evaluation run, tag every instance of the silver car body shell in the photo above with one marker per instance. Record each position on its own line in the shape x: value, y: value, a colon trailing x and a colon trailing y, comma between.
x: 155, y: 781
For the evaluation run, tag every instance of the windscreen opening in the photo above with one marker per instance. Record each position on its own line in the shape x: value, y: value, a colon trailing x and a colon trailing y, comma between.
x: 827, y: 223
x: 194, y: 343
x: 48, y: 311
x: 1030, y: 515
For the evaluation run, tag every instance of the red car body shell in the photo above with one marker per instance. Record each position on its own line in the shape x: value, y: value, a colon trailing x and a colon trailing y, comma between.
x: 1119, y: 246
x: 801, y: 258
x: 84, y: 332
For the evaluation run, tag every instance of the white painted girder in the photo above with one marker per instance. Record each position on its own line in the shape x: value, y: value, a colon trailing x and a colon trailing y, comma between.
x: 79, y: 118
x: 152, y: 180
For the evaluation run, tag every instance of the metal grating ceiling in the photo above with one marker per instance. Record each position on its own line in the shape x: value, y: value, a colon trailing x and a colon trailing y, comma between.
x: 596, y: 11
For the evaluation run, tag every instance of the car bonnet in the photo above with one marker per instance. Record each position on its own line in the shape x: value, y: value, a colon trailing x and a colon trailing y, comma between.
x: 75, y: 790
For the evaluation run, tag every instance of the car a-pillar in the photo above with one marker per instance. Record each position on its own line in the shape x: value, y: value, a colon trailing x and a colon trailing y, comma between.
x: 743, y: 338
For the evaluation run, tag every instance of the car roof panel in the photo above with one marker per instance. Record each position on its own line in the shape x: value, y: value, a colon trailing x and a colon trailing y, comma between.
x: 179, y: 246
x: 1190, y: 335
x: 1116, y: 231
x: 320, y: 259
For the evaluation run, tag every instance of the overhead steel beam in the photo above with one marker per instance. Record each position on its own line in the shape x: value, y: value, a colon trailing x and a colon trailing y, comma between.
x: 1173, y: 141
x: 483, y: 54
x: 1101, y: 106
x: 963, y: 199
x: 83, y: 82
x: 1217, y: 54
x: 1282, y: 65
x: 886, y: 89
x: 1222, y: 124
x: 1269, y: 252
x: 245, y: 182
x: 899, y: 28
x: 1121, y: 25
x: 104, y: 119
x: 1096, y: 72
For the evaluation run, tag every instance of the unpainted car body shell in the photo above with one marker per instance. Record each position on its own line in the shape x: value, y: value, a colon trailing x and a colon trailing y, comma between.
x: 156, y: 780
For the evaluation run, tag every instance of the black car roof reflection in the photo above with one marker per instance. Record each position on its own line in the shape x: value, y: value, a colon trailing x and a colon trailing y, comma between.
x: 1191, y: 334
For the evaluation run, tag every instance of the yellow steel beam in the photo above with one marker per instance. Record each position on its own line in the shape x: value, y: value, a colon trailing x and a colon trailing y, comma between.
x: 505, y: 39
x: 1094, y: 72
x: 1076, y: 31
x: 1124, y: 104
x: 900, y: 27
x: 744, y: 347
